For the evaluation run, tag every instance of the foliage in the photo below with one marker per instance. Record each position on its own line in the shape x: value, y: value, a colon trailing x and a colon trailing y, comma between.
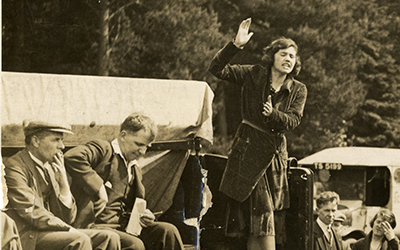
x: 328, y: 39
x: 350, y: 58
x: 189, y: 36
x: 45, y: 36
x: 377, y: 120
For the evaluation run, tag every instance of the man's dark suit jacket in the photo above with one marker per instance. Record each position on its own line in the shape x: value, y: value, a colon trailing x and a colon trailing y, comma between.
x: 95, y: 164
x: 26, y: 203
x: 319, y: 238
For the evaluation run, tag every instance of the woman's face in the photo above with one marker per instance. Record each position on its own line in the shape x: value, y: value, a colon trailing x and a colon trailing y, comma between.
x: 377, y: 226
x: 284, y: 60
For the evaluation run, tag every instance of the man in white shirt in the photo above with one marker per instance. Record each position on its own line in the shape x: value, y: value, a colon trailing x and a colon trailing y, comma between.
x: 325, y: 237
x: 106, y: 182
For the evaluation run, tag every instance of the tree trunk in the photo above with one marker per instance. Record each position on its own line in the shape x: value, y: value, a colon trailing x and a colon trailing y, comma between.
x: 222, y: 124
x: 103, y: 53
x: 18, y: 63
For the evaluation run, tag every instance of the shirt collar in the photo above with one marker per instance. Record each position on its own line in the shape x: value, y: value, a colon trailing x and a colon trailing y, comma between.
x: 36, y: 160
x: 118, y: 151
x: 287, y: 84
x: 324, y: 227
x: 40, y: 166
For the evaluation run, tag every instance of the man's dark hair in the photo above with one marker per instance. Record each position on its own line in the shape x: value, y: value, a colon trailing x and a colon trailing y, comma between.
x: 138, y: 121
x: 40, y: 134
x: 326, y: 197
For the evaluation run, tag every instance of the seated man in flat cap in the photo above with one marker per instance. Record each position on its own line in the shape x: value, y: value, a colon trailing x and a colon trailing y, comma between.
x: 39, y: 197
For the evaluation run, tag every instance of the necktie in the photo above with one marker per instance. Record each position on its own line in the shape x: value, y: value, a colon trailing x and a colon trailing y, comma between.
x: 132, y: 176
x: 50, y: 172
x: 330, y: 235
x: 45, y: 174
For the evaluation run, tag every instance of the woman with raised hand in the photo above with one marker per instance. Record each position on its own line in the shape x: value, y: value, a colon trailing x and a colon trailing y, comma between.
x: 272, y: 102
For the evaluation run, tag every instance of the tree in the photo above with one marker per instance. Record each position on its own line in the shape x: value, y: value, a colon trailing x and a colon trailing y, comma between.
x: 377, y: 120
x: 46, y: 36
x: 327, y: 36
x: 104, y: 52
x: 189, y: 35
x: 348, y: 49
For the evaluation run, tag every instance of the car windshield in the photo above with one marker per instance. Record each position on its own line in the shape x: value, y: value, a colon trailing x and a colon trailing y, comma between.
x: 361, y: 185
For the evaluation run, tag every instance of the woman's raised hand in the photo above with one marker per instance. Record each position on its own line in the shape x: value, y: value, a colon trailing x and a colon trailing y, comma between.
x: 387, y: 230
x: 243, y: 35
x: 267, y: 107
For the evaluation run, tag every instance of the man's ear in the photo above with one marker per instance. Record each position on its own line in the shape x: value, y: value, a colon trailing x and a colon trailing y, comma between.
x: 35, y: 141
x: 122, y: 135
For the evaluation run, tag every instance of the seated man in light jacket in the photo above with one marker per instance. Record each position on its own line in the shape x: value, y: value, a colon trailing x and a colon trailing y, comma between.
x: 39, y: 197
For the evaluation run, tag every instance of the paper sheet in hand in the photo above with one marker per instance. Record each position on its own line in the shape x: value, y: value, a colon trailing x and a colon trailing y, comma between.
x: 134, y: 226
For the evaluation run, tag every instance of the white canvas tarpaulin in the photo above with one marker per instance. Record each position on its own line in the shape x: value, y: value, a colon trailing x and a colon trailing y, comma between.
x: 96, y: 106
x: 180, y: 108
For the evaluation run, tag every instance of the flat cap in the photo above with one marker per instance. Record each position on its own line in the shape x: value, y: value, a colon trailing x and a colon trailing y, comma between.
x: 33, y: 126
x: 339, y: 216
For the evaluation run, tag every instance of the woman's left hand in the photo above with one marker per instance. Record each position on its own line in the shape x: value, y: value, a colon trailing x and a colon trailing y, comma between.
x: 388, y: 230
x: 267, y: 109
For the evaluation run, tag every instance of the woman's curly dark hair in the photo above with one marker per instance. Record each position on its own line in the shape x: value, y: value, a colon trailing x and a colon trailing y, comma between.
x: 281, y: 43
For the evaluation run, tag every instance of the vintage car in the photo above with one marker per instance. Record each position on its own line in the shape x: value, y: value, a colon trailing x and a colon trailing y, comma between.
x: 366, y: 179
